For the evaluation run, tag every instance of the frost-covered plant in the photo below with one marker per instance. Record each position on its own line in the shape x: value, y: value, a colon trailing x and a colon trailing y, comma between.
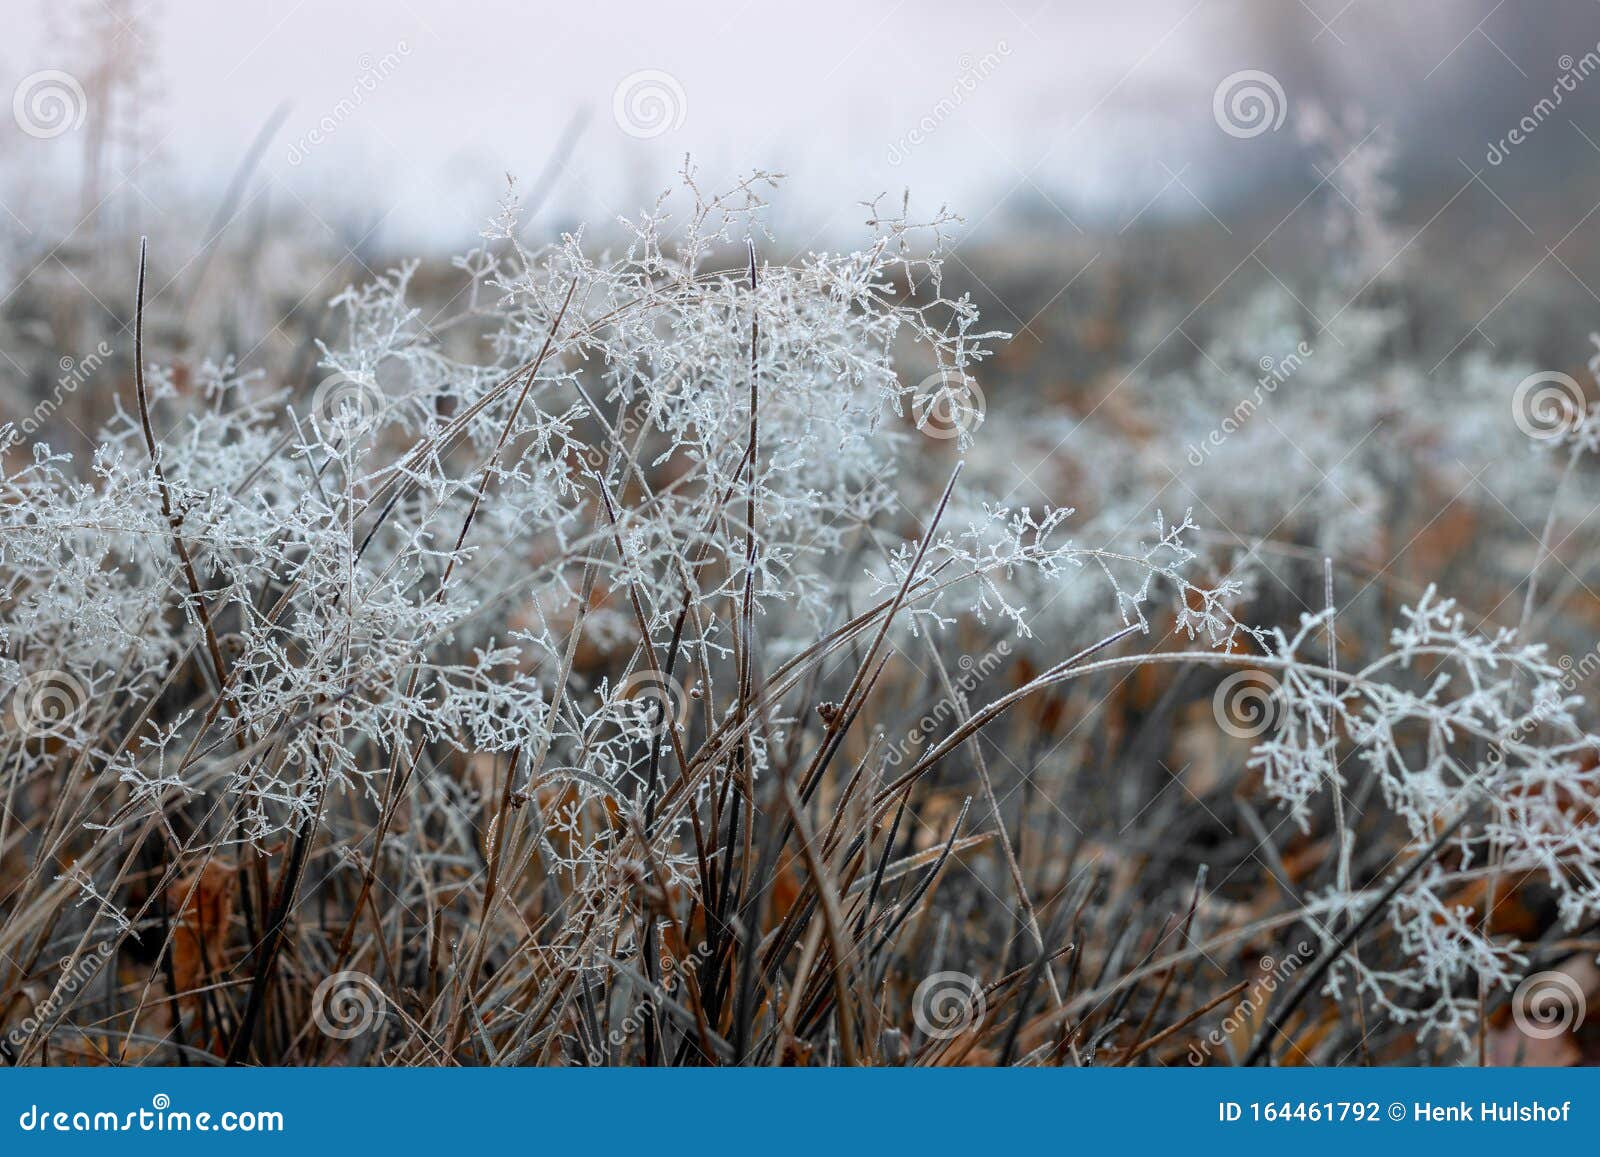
x: 251, y: 608
x: 1440, y: 723
x: 565, y: 619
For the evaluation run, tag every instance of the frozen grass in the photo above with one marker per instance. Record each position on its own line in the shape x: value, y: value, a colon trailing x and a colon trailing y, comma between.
x: 641, y: 678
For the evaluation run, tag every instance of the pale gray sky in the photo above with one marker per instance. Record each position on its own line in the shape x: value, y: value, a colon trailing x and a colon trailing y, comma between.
x: 1078, y: 107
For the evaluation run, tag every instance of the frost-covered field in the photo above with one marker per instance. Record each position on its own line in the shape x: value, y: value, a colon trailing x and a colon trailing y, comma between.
x: 661, y: 673
x: 657, y: 643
